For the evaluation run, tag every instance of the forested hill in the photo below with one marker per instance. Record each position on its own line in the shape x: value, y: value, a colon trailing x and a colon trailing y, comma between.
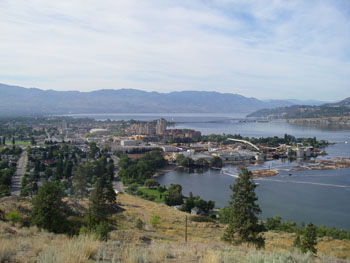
x: 16, y: 100
x: 339, y: 109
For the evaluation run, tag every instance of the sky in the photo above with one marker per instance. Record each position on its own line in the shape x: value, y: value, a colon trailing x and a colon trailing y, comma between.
x: 273, y: 49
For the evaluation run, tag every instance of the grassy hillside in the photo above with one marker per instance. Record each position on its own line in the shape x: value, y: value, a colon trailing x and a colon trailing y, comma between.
x: 154, y: 243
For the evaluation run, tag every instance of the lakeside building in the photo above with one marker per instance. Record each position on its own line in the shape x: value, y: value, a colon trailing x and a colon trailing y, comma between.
x: 237, y: 155
x: 302, y: 152
x: 161, y: 126
x: 195, y: 155
x: 178, y: 133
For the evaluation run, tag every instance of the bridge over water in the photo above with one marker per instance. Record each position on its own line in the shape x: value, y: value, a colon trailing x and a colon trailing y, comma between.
x: 289, y: 181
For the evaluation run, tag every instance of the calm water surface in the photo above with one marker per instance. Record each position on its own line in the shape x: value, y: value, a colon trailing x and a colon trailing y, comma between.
x: 298, y: 202
x: 302, y: 196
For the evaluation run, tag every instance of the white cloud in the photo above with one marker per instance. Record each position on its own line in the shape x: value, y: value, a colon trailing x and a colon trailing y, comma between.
x: 278, y: 49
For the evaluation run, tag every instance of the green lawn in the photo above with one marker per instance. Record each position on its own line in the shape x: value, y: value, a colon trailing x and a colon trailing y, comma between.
x: 21, y: 143
x: 152, y: 192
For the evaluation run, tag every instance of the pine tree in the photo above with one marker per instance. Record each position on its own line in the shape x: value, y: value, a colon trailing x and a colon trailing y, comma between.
x: 110, y: 194
x: 97, y: 205
x: 244, y: 226
x: 48, y: 208
x: 80, y: 181
x: 189, y: 203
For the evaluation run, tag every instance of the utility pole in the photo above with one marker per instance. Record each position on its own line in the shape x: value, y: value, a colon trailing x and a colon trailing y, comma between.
x: 186, y: 229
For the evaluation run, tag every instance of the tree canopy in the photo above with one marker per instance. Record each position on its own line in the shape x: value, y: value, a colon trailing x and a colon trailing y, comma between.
x: 48, y: 208
x: 244, y: 226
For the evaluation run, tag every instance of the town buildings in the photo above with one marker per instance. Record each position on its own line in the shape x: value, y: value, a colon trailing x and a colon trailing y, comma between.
x: 161, y: 126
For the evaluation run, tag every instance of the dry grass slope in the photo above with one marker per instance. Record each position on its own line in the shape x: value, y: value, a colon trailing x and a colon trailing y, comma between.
x: 162, y: 243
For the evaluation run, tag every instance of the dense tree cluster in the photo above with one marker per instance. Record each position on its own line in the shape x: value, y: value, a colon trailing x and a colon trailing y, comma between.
x: 53, y: 163
x: 8, y: 168
x: 173, y: 196
x: 183, y: 161
x: 7, y: 171
x: 196, y: 201
x: 276, y: 223
x: 139, y: 170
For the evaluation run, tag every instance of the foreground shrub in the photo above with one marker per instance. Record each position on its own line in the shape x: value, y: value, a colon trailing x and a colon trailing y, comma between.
x: 14, y: 217
x: 102, y: 231
x: 155, y: 220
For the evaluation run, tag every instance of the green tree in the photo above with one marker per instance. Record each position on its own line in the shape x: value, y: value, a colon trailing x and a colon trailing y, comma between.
x: 202, y: 162
x: 173, y: 196
x: 244, y: 226
x: 225, y: 215
x: 124, y: 162
x: 132, y: 188
x: 203, y: 205
x: 48, y: 208
x: 308, y: 241
x: 110, y: 170
x: 179, y: 159
x: 109, y: 192
x: 216, y: 162
x: 151, y: 183
x: 80, y: 180
x: 93, y: 149
x: 99, y: 202
x: 97, y: 206
x: 188, y: 204
x: 102, y: 231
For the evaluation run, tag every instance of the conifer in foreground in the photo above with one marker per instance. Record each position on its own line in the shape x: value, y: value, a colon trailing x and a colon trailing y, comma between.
x: 244, y: 226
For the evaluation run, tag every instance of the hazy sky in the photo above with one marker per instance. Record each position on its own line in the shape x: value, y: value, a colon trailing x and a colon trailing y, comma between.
x: 263, y: 49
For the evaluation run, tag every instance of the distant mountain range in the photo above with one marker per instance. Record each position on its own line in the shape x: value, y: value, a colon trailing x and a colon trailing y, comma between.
x: 338, y: 109
x: 303, y: 102
x: 16, y: 100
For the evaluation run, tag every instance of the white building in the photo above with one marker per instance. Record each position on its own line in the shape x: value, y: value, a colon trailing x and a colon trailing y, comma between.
x: 128, y: 143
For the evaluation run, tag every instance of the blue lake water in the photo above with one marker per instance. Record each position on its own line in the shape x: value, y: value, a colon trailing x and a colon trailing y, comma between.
x: 309, y: 196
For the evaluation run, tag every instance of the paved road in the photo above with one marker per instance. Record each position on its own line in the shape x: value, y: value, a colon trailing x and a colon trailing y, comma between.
x: 117, y: 185
x: 20, y: 172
